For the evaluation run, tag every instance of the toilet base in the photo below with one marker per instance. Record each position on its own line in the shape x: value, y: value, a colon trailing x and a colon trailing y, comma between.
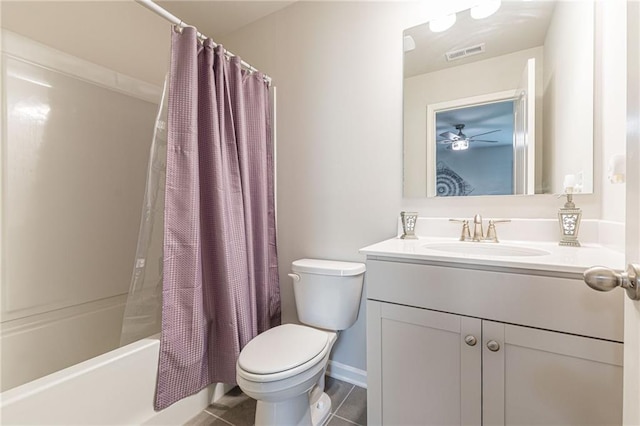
x: 294, y: 412
x: 290, y: 412
x: 321, y: 410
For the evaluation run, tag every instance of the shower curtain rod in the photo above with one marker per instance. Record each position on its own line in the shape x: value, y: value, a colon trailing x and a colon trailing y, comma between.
x: 160, y: 11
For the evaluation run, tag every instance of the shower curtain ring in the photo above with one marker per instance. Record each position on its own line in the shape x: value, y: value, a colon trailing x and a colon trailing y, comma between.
x: 178, y: 28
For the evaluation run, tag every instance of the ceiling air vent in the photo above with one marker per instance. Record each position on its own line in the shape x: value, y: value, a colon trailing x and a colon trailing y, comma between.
x: 463, y: 53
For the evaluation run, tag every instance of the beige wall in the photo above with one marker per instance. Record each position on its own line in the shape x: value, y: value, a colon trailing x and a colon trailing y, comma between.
x: 338, y: 69
x: 568, y: 110
x: 611, y: 132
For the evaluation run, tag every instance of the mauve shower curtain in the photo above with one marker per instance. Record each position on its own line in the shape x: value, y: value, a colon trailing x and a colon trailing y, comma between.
x: 220, y: 286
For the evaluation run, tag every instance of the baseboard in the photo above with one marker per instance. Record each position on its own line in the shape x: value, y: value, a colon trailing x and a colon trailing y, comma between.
x: 347, y: 373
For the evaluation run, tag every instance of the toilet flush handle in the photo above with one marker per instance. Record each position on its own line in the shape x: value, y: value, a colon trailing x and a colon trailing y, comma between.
x: 295, y: 277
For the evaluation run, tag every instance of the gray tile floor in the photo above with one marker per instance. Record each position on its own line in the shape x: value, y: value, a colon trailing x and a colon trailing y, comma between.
x: 348, y: 407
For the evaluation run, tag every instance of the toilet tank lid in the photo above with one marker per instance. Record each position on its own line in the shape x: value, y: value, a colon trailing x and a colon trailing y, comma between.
x: 327, y: 267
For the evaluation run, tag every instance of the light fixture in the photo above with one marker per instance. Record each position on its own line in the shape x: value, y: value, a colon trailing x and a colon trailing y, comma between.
x: 409, y: 43
x: 442, y: 24
x: 460, y: 145
x: 485, y: 9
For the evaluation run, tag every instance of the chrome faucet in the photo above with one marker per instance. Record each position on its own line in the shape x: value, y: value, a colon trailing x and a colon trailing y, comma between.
x: 478, y: 232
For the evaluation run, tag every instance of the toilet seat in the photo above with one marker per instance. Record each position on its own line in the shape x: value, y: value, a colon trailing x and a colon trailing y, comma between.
x: 283, y: 352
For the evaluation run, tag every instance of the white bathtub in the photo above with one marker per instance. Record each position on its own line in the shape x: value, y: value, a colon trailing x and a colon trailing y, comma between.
x: 116, y: 388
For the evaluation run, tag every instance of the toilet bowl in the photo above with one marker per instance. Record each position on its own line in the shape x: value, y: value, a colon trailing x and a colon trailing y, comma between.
x: 286, y: 375
x: 283, y: 368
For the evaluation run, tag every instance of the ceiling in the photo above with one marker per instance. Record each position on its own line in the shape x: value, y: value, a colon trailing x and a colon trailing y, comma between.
x: 216, y: 19
x: 516, y: 26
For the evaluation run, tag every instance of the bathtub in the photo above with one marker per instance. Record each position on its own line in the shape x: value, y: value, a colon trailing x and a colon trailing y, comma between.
x: 116, y: 388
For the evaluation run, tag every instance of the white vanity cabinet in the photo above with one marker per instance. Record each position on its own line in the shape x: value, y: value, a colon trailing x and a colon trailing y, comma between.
x: 419, y: 371
x: 539, y: 377
x: 449, y: 344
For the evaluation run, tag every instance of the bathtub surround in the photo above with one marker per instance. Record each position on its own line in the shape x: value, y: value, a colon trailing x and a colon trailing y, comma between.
x: 76, y: 137
x: 220, y: 275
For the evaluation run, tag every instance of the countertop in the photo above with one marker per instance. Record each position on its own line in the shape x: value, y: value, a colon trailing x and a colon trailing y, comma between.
x: 561, y: 259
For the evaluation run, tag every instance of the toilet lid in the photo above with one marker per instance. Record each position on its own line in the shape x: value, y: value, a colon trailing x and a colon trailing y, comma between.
x: 282, y: 348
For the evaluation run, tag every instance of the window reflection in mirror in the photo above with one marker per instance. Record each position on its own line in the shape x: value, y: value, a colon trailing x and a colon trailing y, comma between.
x: 539, y: 56
x: 474, y: 150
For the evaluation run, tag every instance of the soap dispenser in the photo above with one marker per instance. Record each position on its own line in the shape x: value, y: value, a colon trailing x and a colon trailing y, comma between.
x: 569, y: 218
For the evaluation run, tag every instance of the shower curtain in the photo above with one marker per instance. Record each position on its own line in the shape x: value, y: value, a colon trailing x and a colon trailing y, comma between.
x: 220, y: 276
x: 143, y: 310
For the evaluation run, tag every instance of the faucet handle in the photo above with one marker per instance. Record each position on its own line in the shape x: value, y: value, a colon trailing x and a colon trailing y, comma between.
x: 499, y: 220
x: 465, y: 234
x: 491, y: 231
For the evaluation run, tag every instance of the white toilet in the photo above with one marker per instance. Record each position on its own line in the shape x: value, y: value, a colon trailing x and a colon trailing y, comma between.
x: 283, y: 368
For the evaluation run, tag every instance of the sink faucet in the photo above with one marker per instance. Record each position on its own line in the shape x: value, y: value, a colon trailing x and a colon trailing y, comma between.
x: 478, y: 232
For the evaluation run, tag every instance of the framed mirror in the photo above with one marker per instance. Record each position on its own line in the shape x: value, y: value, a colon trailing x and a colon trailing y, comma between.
x: 500, y: 105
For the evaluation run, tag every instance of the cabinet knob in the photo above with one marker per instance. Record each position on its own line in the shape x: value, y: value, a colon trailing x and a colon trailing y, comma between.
x: 470, y: 340
x: 493, y: 346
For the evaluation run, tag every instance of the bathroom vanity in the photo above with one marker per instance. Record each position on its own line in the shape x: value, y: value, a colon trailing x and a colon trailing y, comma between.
x: 461, y: 335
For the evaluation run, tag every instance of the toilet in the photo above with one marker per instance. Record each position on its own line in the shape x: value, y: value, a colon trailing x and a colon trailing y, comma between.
x: 283, y: 368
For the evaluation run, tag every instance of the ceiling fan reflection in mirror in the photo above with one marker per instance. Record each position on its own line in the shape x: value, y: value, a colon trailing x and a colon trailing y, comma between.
x: 460, y: 141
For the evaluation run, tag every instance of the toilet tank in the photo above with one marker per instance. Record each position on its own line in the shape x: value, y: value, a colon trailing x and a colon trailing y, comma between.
x: 327, y: 292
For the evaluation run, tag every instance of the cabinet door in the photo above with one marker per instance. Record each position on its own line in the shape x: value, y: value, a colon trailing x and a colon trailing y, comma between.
x: 537, y: 377
x: 420, y: 369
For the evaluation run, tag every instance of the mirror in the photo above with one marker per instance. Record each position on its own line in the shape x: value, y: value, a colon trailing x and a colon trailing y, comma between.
x: 501, y: 105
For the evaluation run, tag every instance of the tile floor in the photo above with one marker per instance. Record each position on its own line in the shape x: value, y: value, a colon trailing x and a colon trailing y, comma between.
x: 348, y: 407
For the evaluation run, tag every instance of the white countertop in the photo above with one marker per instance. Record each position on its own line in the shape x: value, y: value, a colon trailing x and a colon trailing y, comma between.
x: 572, y: 260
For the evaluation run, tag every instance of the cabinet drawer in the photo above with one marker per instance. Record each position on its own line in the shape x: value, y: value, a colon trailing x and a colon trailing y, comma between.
x: 552, y: 303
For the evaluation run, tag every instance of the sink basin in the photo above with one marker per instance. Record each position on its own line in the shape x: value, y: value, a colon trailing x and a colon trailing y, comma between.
x: 485, y: 249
